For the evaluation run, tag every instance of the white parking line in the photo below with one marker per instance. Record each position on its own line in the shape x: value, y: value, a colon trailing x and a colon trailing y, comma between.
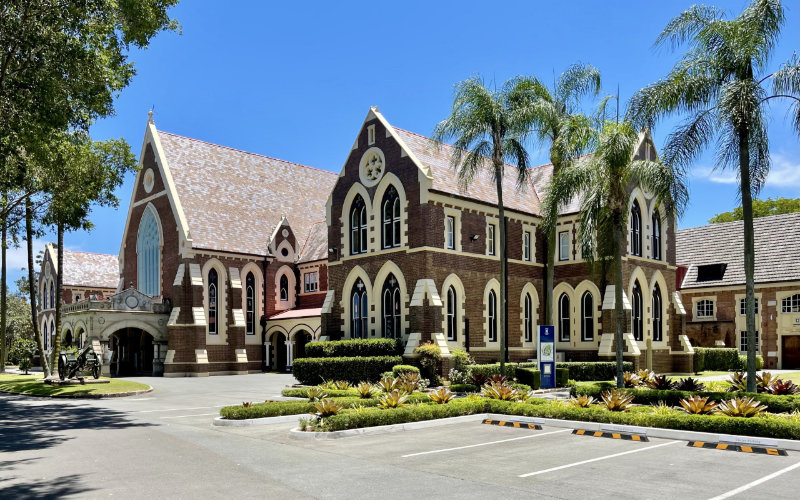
x: 484, y: 444
x: 195, y: 415
x: 582, y: 462
x: 757, y: 482
x: 179, y: 409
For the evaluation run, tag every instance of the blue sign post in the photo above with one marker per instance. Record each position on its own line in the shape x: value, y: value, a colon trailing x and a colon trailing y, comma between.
x: 546, y: 351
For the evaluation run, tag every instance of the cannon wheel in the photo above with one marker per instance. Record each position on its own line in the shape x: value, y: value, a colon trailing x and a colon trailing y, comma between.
x: 62, y: 366
x: 96, y: 371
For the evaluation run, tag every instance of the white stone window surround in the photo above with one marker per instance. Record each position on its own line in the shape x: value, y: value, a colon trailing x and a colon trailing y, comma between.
x: 221, y: 337
x: 491, y: 286
x: 453, y: 214
x: 492, y: 236
x: 705, y: 317
x: 528, y: 290
x: 460, y: 309
x: 254, y: 268
x: 288, y: 272
x: 149, y: 245
x: 564, y: 240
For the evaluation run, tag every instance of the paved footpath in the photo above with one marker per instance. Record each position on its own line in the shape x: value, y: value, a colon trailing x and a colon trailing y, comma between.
x: 162, y: 445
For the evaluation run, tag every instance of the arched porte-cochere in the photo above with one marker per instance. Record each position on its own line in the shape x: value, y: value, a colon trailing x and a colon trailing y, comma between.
x: 131, y: 352
x: 301, y: 338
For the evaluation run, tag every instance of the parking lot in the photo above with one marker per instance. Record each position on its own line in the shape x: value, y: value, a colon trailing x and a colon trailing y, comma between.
x: 163, y: 445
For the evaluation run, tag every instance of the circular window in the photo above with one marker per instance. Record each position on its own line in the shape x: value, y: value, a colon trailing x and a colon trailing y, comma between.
x: 149, y: 180
x: 285, y: 233
x: 284, y: 252
x: 372, y: 167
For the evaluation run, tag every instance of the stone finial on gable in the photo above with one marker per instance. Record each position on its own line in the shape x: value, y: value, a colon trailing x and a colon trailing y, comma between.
x: 150, y: 116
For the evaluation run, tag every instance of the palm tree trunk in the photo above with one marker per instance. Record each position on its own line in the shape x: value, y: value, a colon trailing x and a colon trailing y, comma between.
x: 32, y: 286
x: 3, y: 298
x: 59, y: 282
x: 618, y: 296
x: 503, y: 309
x: 749, y: 255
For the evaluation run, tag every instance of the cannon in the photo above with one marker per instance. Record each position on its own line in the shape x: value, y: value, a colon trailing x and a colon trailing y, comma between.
x: 70, y: 365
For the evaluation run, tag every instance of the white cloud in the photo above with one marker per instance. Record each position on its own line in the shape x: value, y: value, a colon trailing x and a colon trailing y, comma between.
x: 17, y: 258
x: 784, y: 173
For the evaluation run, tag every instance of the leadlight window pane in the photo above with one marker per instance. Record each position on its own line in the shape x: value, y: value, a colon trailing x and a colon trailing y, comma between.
x: 563, y: 318
x: 213, y: 302
x: 587, y: 317
x: 563, y: 245
x: 492, y: 316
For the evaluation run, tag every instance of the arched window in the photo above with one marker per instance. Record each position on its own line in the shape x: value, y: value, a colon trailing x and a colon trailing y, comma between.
x: 452, y: 325
x: 250, y: 304
x: 657, y: 326
x: 637, y: 319
x: 52, y: 303
x: 587, y: 317
x: 563, y: 318
x: 656, y: 243
x: 528, y: 318
x: 213, y: 302
x: 636, y: 229
x: 45, y: 292
x: 284, y: 288
x: 492, y: 316
x: 45, y: 337
x: 359, y: 311
x: 148, y: 249
x: 391, y: 218
x: 358, y: 226
x: 391, y: 308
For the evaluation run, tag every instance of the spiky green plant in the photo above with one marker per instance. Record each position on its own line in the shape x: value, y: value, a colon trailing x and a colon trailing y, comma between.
x: 387, y: 384
x: 581, y: 401
x: 503, y: 392
x: 393, y: 399
x: 738, y: 382
x: 720, y: 88
x: 660, y: 383
x: 316, y: 393
x: 645, y: 375
x: 690, y: 384
x: 326, y: 408
x: 441, y: 396
x: 764, y: 381
x: 661, y: 408
x: 781, y: 387
x: 630, y: 380
x: 341, y: 385
x: 616, y: 400
x: 413, y: 379
x: 741, y: 407
x: 698, y: 405
x: 365, y: 390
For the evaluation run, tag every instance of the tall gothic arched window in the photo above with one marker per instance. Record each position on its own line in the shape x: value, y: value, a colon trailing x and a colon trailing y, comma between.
x: 563, y: 318
x: 528, y: 318
x: 148, y: 249
x: 452, y: 325
x: 637, y: 317
x: 657, y: 314
x: 359, y: 310
x: 52, y: 295
x: 492, y: 316
x: 358, y: 226
x: 213, y: 302
x: 284, y: 288
x: 656, y: 239
x: 636, y: 229
x: 587, y: 316
x: 390, y: 219
x: 250, y: 303
x: 45, y: 337
x: 391, y: 308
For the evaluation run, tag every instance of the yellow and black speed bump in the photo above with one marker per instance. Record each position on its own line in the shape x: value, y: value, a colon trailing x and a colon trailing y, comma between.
x: 518, y: 425
x: 737, y: 447
x: 612, y: 435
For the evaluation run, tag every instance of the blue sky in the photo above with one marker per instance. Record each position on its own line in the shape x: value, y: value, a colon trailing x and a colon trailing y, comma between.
x: 294, y: 80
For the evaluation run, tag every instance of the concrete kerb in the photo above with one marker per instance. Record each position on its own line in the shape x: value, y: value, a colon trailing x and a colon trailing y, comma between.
x: 82, y: 396
x: 250, y: 422
x: 653, y: 432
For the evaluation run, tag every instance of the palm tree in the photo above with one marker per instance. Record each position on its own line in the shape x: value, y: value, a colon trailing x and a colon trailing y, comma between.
x: 603, y: 181
x: 489, y: 128
x: 568, y: 133
x: 719, y: 86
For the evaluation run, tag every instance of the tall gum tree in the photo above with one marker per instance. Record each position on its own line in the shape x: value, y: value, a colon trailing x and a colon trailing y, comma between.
x: 720, y: 88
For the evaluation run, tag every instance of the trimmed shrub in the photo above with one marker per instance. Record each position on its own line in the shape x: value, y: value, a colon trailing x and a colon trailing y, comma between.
x: 301, y: 392
x: 742, y: 366
x: 715, y: 359
x: 464, y: 388
x: 310, y: 371
x: 529, y: 376
x: 594, y: 370
x: 429, y: 356
x: 278, y: 408
x: 562, y: 376
x: 353, y: 348
x: 775, y: 404
x: 460, y: 359
x: 398, y: 370
x: 493, y: 369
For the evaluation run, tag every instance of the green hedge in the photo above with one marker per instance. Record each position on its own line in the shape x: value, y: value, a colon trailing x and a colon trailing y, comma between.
x: 775, y: 404
x: 311, y: 371
x: 769, y: 426
x: 562, y: 376
x: 464, y: 388
x: 353, y: 348
x: 398, y: 370
x: 594, y: 370
x: 529, y: 376
x: 301, y: 392
x: 493, y: 369
x: 278, y: 408
x: 742, y: 366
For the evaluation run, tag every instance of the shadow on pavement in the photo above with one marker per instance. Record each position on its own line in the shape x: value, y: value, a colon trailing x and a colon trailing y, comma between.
x: 35, y: 427
x: 58, y: 487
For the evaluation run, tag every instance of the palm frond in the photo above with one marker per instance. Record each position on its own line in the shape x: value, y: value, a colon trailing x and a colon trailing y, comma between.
x: 688, y: 24
x: 786, y: 81
x: 576, y: 82
x: 689, y: 139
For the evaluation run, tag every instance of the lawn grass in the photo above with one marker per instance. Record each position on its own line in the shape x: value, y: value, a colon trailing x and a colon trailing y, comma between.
x: 32, y: 385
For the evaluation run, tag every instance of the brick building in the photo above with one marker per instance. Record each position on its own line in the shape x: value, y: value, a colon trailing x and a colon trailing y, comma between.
x: 222, y: 266
x: 414, y: 255
x: 713, y: 287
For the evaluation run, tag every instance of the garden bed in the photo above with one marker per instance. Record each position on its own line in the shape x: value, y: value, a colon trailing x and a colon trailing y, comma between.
x: 33, y: 385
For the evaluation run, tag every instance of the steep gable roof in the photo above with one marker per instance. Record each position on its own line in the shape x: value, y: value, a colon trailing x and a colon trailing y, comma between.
x: 777, y: 240
x: 315, y: 246
x: 231, y: 198
x: 86, y: 269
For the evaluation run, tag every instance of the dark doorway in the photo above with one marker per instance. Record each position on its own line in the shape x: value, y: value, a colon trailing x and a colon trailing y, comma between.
x: 279, y: 352
x: 791, y: 352
x: 301, y: 339
x: 132, y: 352
x: 68, y: 339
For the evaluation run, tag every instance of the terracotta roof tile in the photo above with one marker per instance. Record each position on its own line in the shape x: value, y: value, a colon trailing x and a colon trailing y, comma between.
x: 231, y: 198
x: 777, y: 240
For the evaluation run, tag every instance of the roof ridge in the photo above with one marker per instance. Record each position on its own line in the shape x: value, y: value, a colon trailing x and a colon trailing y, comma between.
x: 91, y: 253
x: 247, y: 152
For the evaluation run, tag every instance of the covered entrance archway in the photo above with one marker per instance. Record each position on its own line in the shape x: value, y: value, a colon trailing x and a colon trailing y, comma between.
x: 301, y: 338
x: 277, y: 355
x: 132, y: 352
x: 790, y: 351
